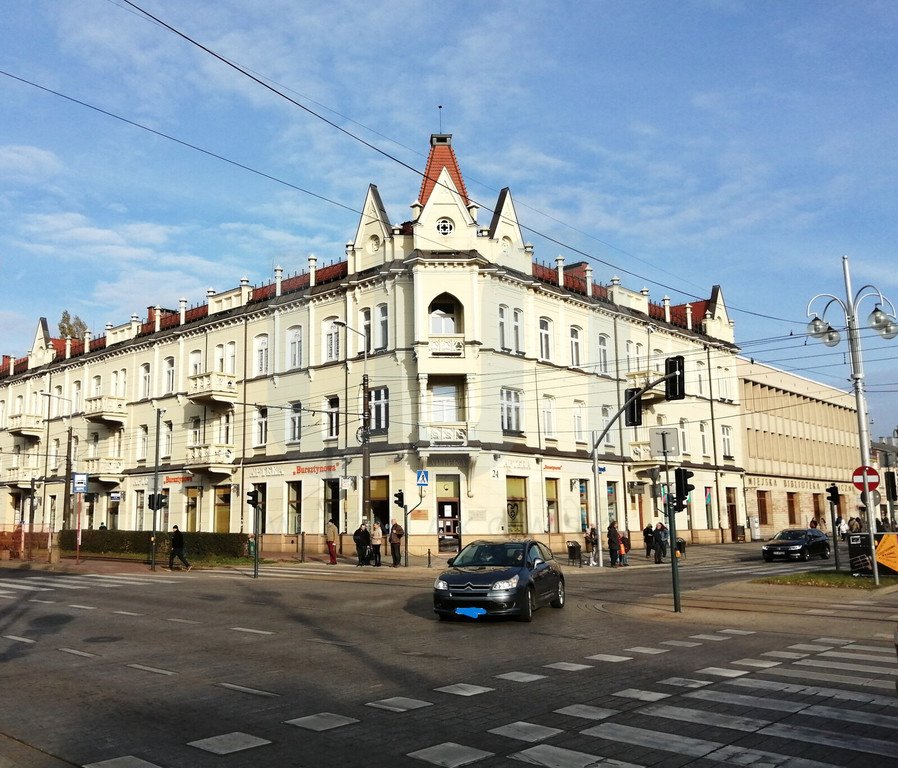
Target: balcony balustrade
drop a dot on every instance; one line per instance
(212, 387)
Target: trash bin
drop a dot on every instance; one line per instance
(573, 553)
(860, 559)
(681, 547)
(251, 547)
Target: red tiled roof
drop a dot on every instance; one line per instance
(441, 156)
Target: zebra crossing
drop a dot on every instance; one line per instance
(14, 586)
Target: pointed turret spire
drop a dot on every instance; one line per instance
(441, 156)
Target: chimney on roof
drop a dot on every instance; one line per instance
(559, 268)
(182, 310)
(68, 347)
(313, 266)
(12, 364)
(278, 278)
(588, 274)
(666, 302)
(158, 324)
(87, 337)
(689, 317)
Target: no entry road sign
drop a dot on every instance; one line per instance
(857, 477)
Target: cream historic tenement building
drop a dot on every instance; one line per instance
(800, 437)
(489, 370)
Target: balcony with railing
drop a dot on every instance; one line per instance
(642, 377)
(445, 433)
(211, 457)
(26, 424)
(21, 476)
(106, 408)
(104, 469)
(446, 345)
(212, 387)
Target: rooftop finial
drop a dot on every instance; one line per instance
(440, 108)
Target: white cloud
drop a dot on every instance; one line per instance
(20, 164)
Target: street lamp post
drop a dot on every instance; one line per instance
(885, 325)
(67, 491)
(156, 494)
(366, 421)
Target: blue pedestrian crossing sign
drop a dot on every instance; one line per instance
(422, 478)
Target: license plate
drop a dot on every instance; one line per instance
(472, 612)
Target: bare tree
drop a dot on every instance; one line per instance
(71, 326)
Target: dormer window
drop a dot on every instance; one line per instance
(445, 226)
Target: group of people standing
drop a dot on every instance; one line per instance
(618, 546)
(656, 541)
(367, 543)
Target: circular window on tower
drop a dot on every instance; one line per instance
(445, 226)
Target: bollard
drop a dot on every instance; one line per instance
(428, 557)
(302, 547)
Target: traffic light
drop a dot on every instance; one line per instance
(157, 500)
(675, 386)
(891, 490)
(633, 404)
(252, 498)
(151, 501)
(399, 499)
(832, 493)
(684, 487)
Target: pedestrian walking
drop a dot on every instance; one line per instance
(362, 540)
(843, 529)
(613, 543)
(177, 549)
(648, 538)
(377, 539)
(592, 544)
(396, 534)
(330, 537)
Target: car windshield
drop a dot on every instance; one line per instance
(507, 555)
(790, 535)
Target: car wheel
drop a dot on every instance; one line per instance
(825, 555)
(805, 555)
(558, 602)
(526, 613)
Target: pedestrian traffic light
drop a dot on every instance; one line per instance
(675, 384)
(832, 493)
(252, 498)
(399, 499)
(632, 407)
(684, 487)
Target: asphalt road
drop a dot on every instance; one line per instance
(310, 665)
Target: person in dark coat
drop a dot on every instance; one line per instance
(659, 543)
(362, 540)
(648, 538)
(613, 543)
(177, 549)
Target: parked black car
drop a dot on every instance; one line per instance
(499, 578)
(798, 544)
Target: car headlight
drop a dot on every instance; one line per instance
(440, 584)
(506, 584)
(764, 548)
(795, 548)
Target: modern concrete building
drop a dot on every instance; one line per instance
(800, 437)
(489, 377)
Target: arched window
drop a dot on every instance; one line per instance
(545, 338)
(442, 317)
(76, 396)
(366, 330)
(684, 442)
(96, 386)
(575, 346)
(331, 344)
(503, 331)
(260, 355)
(145, 382)
(382, 328)
(603, 353)
(517, 322)
(169, 374)
(294, 348)
(196, 362)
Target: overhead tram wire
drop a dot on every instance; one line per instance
(403, 164)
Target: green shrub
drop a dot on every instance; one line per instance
(199, 545)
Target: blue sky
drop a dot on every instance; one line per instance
(680, 145)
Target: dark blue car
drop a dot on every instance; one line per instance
(499, 578)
